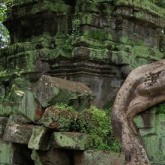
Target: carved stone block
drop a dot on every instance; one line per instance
(98, 158)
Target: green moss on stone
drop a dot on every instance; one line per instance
(97, 123)
(146, 5)
(97, 34)
(6, 153)
(159, 109)
(99, 54)
(135, 55)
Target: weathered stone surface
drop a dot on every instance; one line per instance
(16, 132)
(34, 10)
(155, 153)
(145, 120)
(58, 119)
(3, 122)
(6, 153)
(87, 41)
(53, 156)
(23, 102)
(71, 140)
(67, 41)
(19, 119)
(40, 138)
(103, 88)
(50, 90)
(98, 158)
(30, 107)
(14, 154)
(154, 134)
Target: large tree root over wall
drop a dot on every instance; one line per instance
(143, 88)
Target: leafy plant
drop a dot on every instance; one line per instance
(63, 106)
(97, 34)
(75, 32)
(76, 27)
(4, 34)
(67, 47)
(159, 109)
(97, 123)
(160, 3)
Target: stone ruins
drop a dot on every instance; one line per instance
(76, 53)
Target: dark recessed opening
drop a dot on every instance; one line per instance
(70, 2)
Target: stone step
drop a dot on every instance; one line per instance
(71, 140)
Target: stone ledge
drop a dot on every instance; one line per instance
(71, 140)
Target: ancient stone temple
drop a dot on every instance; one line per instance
(75, 52)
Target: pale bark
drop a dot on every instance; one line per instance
(143, 88)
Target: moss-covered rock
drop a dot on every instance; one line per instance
(59, 119)
(50, 91)
(16, 132)
(72, 140)
(40, 138)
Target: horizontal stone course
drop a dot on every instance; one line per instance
(147, 5)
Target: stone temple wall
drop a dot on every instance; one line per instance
(84, 41)
(95, 42)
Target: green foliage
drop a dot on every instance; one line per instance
(68, 47)
(101, 128)
(93, 121)
(97, 34)
(160, 3)
(65, 116)
(65, 107)
(65, 123)
(59, 117)
(76, 27)
(4, 34)
(75, 32)
(159, 109)
(97, 123)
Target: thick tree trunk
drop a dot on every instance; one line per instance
(144, 88)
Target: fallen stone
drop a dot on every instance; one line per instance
(40, 138)
(30, 107)
(18, 118)
(23, 102)
(16, 132)
(3, 122)
(58, 119)
(98, 158)
(71, 140)
(50, 91)
(53, 157)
